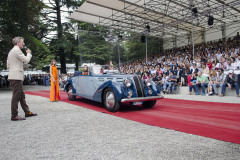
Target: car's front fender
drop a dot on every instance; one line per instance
(69, 82)
(116, 87)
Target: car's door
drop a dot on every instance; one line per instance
(86, 86)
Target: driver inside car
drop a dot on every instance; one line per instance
(85, 70)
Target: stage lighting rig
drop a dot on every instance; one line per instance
(210, 20)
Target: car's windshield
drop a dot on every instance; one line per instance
(104, 69)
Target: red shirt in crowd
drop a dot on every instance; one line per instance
(189, 80)
(209, 65)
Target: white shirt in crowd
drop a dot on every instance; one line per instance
(233, 66)
(218, 55)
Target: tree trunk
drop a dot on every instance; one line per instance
(76, 62)
(60, 31)
(62, 61)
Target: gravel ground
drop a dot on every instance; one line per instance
(65, 131)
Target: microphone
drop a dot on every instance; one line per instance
(25, 47)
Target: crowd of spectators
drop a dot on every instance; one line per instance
(36, 79)
(4, 81)
(44, 79)
(213, 65)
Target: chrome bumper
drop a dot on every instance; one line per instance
(141, 99)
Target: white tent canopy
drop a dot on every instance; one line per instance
(162, 18)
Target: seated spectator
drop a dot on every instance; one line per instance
(85, 70)
(221, 64)
(157, 80)
(192, 79)
(201, 81)
(178, 74)
(224, 63)
(219, 82)
(205, 70)
(145, 75)
(185, 72)
(138, 72)
(214, 67)
(231, 80)
(212, 81)
(209, 64)
(230, 65)
(237, 63)
(194, 69)
(152, 70)
(166, 71)
(158, 71)
(173, 69)
(165, 82)
(171, 81)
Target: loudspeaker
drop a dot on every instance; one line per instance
(194, 10)
(148, 28)
(210, 20)
(143, 39)
(120, 37)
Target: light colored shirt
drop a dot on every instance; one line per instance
(202, 78)
(221, 78)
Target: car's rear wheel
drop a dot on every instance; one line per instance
(70, 96)
(149, 104)
(110, 101)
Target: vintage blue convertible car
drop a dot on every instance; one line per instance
(111, 88)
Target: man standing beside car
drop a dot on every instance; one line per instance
(16, 74)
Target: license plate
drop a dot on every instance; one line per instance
(137, 103)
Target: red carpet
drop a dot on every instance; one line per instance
(210, 119)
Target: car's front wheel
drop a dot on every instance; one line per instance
(149, 104)
(110, 101)
(70, 96)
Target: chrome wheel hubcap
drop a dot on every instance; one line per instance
(110, 99)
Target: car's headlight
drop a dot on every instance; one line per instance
(129, 94)
(147, 82)
(150, 92)
(127, 82)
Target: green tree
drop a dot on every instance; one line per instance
(95, 48)
(60, 44)
(135, 49)
(121, 51)
(21, 19)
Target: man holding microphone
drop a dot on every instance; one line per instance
(16, 74)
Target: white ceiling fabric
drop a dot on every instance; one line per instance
(165, 17)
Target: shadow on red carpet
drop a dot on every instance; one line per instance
(210, 119)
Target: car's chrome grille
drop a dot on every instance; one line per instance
(119, 79)
(101, 79)
(108, 79)
(139, 86)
